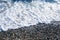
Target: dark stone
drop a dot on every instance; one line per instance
(40, 31)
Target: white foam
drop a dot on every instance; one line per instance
(29, 14)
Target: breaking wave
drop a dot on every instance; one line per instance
(25, 14)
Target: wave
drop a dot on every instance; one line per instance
(21, 14)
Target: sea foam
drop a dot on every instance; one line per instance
(23, 14)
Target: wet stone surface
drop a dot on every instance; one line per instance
(40, 31)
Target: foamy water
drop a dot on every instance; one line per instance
(23, 14)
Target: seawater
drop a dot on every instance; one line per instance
(22, 14)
